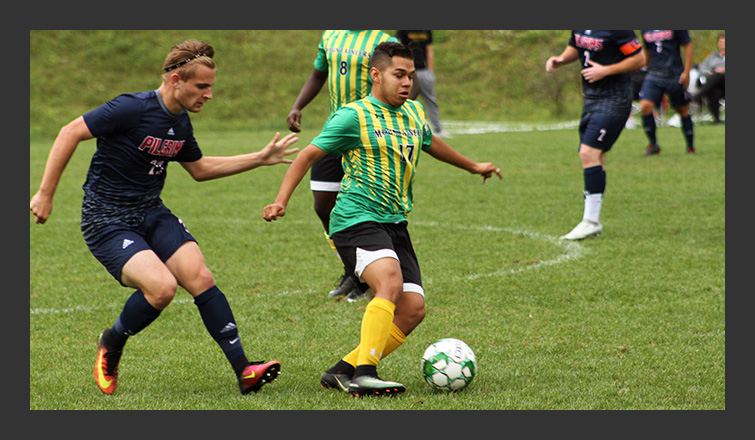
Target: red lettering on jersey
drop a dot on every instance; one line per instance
(589, 43)
(149, 142)
(176, 147)
(653, 36)
(161, 147)
(166, 147)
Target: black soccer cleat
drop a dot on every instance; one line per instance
(374, 386)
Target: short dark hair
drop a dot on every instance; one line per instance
(385, 51)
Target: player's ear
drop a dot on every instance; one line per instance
(375, 75)
(174, 79)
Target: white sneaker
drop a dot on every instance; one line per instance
(583, 230)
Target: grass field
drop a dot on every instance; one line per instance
(632, 320)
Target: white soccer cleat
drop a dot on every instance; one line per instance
(583, 230)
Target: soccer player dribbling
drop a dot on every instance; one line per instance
(125, 224)
(380, 138)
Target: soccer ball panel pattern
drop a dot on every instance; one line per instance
(449, 364)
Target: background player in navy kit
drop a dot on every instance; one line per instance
(667, 74)
(124, 222)
(607, 57)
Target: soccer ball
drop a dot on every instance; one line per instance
(449, 364)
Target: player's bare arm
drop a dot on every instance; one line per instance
(308, 92)
(295, 173)
(569, 55)
(596, 71)
(213, 167)
(443, 152)
(61, 152)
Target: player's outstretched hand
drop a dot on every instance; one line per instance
(487, 170)
(276, 151)
(273, 211)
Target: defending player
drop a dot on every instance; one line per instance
(343, 58)
(606, 58)
(124, 222)
(380, 139)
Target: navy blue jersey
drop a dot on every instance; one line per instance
(136, 138)
(664, 50)
(605, 48)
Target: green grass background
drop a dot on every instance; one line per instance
(632, 320)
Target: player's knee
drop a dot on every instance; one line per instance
(646, 107)
(200, 281)
(161, 293)
(390, 289)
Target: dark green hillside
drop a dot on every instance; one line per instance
(491, 75)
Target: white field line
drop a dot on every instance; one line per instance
(570, 250)
(481, 127)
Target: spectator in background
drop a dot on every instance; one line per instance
(420, 42)
(713, 79)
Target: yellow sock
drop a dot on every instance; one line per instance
(376, 328)
(395, 339)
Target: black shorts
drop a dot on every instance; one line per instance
(161, 231)
(603, 119)
(601, 130)
(654, 87)
(363, 243)
(326, 174)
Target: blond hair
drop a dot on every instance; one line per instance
(185, 57)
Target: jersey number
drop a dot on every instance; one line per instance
(344, 68)
(407, 152)
(158, 167)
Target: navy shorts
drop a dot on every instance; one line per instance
(601, 130)
(654, 87)
(363, 243)
(161, 231)
(326, 174)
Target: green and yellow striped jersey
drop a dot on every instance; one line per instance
(345, 55)
(380, 146)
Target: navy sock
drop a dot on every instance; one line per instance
(137, 314)
(218, 319)
(689, 131)
(595, 179)
(648, 124)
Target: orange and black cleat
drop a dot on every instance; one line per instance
(106, 368)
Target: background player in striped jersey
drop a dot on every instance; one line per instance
(343, 58)
(667, 74)
(380, 138)
(607, 57)
(125, 223)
